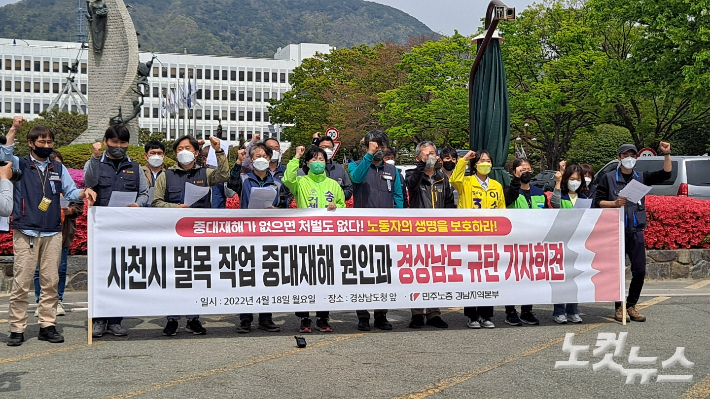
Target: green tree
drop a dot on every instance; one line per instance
(67, 126)
(432, 104)
(596, 146)
(548, 53)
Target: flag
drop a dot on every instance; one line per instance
(189, 95)
(194, 90)
(163, 108)
(182, 97)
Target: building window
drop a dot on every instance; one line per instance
(83, 68)
(45, 87)
(28, 65)
(250, 76)
(36, 87)
(191, 73)
(232, 116)
(65, 67)
(266, 96)
(241, 116)
(257, 116)
(266, 77)
(208, 74)
(241, 95)
(155, 113)
(199, 73)
(215, 75)
(38, 66)
(207, 115)
(273, 77)
(224, 74)
(55, 67)
(181, 73)
(199, 93)
(165, 72)
(241, 76)
(146, 112)
(224, 114)
(8, 107)
(173, 73)
(257, 96)
(156, 72)
(266, 116)
(258, 77)
(8, 65)
(18, 108)
(233, 96)
(45, 66)
(18, 65)
(233, 75)
(8, 86)
(155, 92)
(249, 116)
(35, 107)
(224, 95)
(27, 108)
(83, 88)
(208, 94)
(275, 95)
(250, 96)
(55, 87)
(232, 136)
(283, 77)
(198, 113)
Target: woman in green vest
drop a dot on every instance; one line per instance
(570, 186)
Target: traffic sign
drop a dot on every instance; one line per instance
(646, 152)
(336, 146)
(333, 133)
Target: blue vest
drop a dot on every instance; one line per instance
(634, 214)
(374, 192)
(28, 194)
(175, 180)
(124, 178)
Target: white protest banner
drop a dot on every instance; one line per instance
(151, 262)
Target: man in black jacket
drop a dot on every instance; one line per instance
(428, 188)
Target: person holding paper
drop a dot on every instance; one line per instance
(569, 187)
(70, 211)
(314, 190)
(37, 234)
(607, 196)
(112, 172)
(170, 192)
(521, 195)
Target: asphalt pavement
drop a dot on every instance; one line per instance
(457, 362)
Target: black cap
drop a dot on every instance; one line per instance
(626, 147)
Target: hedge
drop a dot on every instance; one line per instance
(76, 155)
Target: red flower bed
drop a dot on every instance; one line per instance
(677, 222)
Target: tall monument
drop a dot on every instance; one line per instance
(113, 70)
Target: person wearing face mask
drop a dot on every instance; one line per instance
(170, 192)
(37, 233)
(106, 172)
(449, 156)
(521, 195)
(634, 215)
(333, 170)
(155, 155)
(569, 187)
(588, 179)
(428, 188)
(477, 191)
(245, 165)
(376, 184)
(314, 190)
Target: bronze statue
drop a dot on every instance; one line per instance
(142, 87)
(97, 12)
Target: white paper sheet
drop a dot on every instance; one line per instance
(122, 198)
(194, 193)
(151, 190)
(63, 203)
(212, 157)
(262, 197)
(583, 203)
(634, 191)
(5, 223)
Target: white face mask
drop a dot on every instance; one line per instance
(185, 157)
(628, 162)
(155, 161)
(329, 153)
(573, 185)
(261, 164)
(588, 180)
(390, 162)
(276, 156)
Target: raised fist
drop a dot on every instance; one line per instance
(241, 154)
(216, 144)
(469, 155)
(558, 177)
(96, 149)
(17, 122)
(373, 147)
(665, 147)
(300, 150)
(563, 166)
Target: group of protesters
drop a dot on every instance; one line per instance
(44, 225)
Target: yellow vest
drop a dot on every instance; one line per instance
(471, 194)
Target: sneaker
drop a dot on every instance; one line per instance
(305, 325)
(37, 311)
(561, 319)
(117, 330)
(473, 323)
(268, 325)
(513, 319)
(634, 315)
(529, 318)
(437, 322)
(60, 309)
(98, 328)
(486, 322)
(574, 318)
(195, 326)
(363, 324)
(50, 334)
(244, 327)
(382, 323)
(417, 321)
(323, 325)
(16, 339)
(619, 314)
(171, 328)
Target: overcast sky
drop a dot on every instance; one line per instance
(444, 16)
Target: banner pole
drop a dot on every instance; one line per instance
(90, 332)
(623, 313)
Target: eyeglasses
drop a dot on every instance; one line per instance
(44, 143)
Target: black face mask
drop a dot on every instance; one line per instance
(116, 152)
(449, 165)
(526, 177)
(43, 152)
(379, 155)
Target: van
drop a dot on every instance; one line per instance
(690, 176)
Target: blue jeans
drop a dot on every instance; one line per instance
(561, 309)
(62, 276)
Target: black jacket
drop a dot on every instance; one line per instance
(425, 192)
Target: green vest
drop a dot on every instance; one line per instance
(538, 202)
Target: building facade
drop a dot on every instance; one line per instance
(230, 91)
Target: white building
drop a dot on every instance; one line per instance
(231, 89)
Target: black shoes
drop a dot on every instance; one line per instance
(195, 326)
(171, 328)
(16, 339)
(363, 324)
(50, 334)
(437, 322)
(417, 321)
(381, 322)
